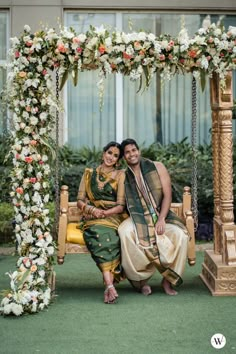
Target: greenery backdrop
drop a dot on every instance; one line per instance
(178, 158)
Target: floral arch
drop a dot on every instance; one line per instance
(31, 99)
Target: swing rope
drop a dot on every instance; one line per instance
(194, 154)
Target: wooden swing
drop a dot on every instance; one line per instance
(70, 238)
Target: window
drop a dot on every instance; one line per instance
(160, 114)
(4, 36)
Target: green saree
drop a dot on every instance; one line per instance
(100, 235)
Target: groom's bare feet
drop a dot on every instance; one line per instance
(141, 287)
(168, 288)
(145, 288)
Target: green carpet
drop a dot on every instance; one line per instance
(78, 321)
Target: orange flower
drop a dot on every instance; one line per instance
(142, 52)
(33, 268)
(126, 56)
(192, 53)
(102, 49)
(22, 74)
(19, 190)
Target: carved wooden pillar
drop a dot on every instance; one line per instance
(219, 266)
(215, 158)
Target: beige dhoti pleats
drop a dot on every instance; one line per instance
(140, 264)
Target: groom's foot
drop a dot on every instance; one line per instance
(168, 288)
(141, 287)
(146, 290)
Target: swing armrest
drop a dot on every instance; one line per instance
(63, 221)
(189, 222)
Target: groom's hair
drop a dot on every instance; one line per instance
(128, 142)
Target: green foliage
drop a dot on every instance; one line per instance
(178, 159)
(6, 222)
(5, 169)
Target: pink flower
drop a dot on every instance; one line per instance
(76, 40)
(29, 43)
(17, 54)
(28, 159)
(33, 179)
(44, 72)
(33, 142)
(162, 57)
(41, 162)
(19, 190)
(28, 108)
(61, 48)
(79, 50)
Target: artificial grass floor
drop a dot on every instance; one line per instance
(78, 321)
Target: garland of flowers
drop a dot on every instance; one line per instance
(31, 100)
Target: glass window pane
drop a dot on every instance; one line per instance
(3, 35)
(161, 113)
(87, 124)
(3, 113)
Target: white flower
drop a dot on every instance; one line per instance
(100, 31)
(27, 28)
(82, 37)
(7, 309)
(141, 36)
(50, 250)
(37, 186)
(14, 41)
(232, 30)
(17, 309)
(108, 42)
(217, 32)
(204, 62)
(151, 37)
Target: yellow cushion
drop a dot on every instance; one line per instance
(74, 235)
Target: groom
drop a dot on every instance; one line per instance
(151, 224)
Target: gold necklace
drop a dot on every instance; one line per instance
(103, 177)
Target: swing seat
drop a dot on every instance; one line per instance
(70, 237)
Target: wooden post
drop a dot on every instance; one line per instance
(219, 266)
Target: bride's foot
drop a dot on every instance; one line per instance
(110, 295)
(168, 288)
(106, 296)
